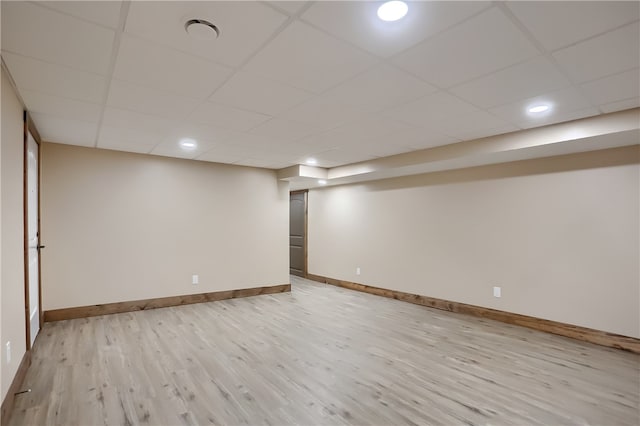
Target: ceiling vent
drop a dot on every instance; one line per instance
(200, 28)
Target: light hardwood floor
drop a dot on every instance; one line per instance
(320, 355)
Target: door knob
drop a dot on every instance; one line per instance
(40, 247)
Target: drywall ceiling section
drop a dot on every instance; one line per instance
(286, 81)
(602, 132)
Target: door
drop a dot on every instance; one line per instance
(32, 234)
(298, 233)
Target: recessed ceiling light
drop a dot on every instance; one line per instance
(392, 10)
(200, 28)
(311, 161)
(188, 143)
(322, 181)
(536, 109)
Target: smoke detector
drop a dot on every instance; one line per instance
(200, 28)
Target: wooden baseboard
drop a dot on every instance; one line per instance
(576, 332)
(162, 302)
(18, 379)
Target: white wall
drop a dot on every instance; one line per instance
(121, 226)
(559, 235)
(13, 327)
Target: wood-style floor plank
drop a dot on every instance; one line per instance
(319, 355)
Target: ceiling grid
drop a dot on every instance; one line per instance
(289, 80)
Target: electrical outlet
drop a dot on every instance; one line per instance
(358, 271)
(8, 352)
(195, 279)
(497, 292)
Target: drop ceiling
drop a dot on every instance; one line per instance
(286, 81)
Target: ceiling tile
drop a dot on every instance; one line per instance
(254, 162)
(250, 140)
(611, 53)
(57, 106)
(202, 133)
(483, 44)
(284, 130)
(230, 149)
(414, 137)
(621, 105)
(233, 153)
(557, 24)
(562, 102)
(293, 58)
(34, 31)
(474, 125)
(118, 145)
(297, 152)
(614, 88)
(322, 112)
(127, 119)
(172, 148)
(374, 129)
(319, 142)
(218, 156)
(358, 23)
(386, 150)
(342, 156)
(431, 109)
(63, 130)
(429, 138)
(379, 88)
(290, 7)
(243, 26)
(31, 74)
(148, 64)
(105, 13)
(381, 136)
(277, 165)
(254, 93)
(358, 132)
(561, 117)
(514, 83)
(226, 117)
(124, 139)
(149, 101)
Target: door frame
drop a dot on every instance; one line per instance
(29, 127)
(305, 273)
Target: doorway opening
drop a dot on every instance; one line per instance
(298, 233)
(32, 246)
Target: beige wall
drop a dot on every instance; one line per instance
(559, 235)
(121, 226)
(3, 85)
(12, 254)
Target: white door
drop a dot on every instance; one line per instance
(33, 237)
